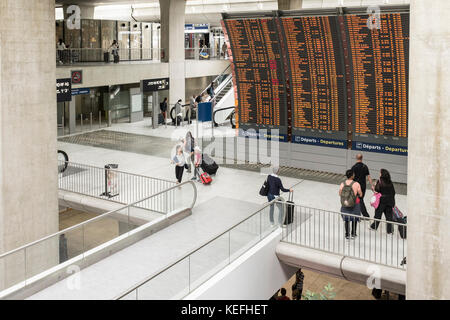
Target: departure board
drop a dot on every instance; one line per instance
(258, 73)
(316, 72)
(379, 81)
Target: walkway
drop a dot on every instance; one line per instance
(114, 275)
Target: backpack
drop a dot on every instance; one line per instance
(348, 197)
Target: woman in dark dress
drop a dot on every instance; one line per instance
(387, 200)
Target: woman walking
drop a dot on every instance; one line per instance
(180, 163)
(350, 193)
(387, 200)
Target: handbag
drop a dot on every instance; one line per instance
(375, 200)
(264, 191)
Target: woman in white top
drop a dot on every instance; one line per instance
(180, 163)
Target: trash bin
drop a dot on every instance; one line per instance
(111, 187)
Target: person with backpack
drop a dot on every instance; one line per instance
(210, 90)
(189, 145)
(386, 188)
(178, 113)
(361, 175)
(274, 186)
(350, 193)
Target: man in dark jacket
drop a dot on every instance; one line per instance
(361, 174)
(275, 185)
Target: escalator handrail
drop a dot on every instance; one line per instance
(215, 79)
(221, 109)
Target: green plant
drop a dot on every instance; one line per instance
(326, 294)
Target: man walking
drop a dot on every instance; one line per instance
(361, 174)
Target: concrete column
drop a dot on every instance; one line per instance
(172, 41)
(28, 159)
(72, 116)
(428, 259)
(289, 4)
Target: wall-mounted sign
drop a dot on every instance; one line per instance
(77, 77)
(196, 28)
(155, 85)
(63, 90)
(78, 91)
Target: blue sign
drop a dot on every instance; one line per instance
(380, 148)
(205, 111)
(322, 142)
(263, 134)
(78, 91)
(190, 26)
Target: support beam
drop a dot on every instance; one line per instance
(172, 41)
(290, 4)
(28, 165)
(429, 152)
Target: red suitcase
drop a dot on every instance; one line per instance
(205, 178)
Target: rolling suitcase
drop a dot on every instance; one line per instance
(106, 57)
(289, 210)
(402, 229)
(160, 119)
(208, 164)
(205, 178)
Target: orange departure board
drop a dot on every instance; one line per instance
(316, 71)
(258, 72)
(379, 68)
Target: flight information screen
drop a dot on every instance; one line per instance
(316, 68)
(258, 74)
(379, 68)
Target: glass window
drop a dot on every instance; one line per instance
(123, 28)
(90, 41)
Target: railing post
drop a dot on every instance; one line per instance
(91, 120)
(99, 119)
(81, 115)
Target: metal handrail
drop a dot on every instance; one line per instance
(221, 109)
(215, 79)
(373, 246)
(346, 214)
(118, 171)
(193, 251)
(101, 216)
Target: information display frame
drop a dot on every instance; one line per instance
(259, 78)
(367, 122)
(347, 135)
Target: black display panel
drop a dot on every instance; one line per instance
(258, 74)
(379, 81)
(316, 69)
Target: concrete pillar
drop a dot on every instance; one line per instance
(172, 41)
(289, 4)
(428, 260)
(28, 159)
